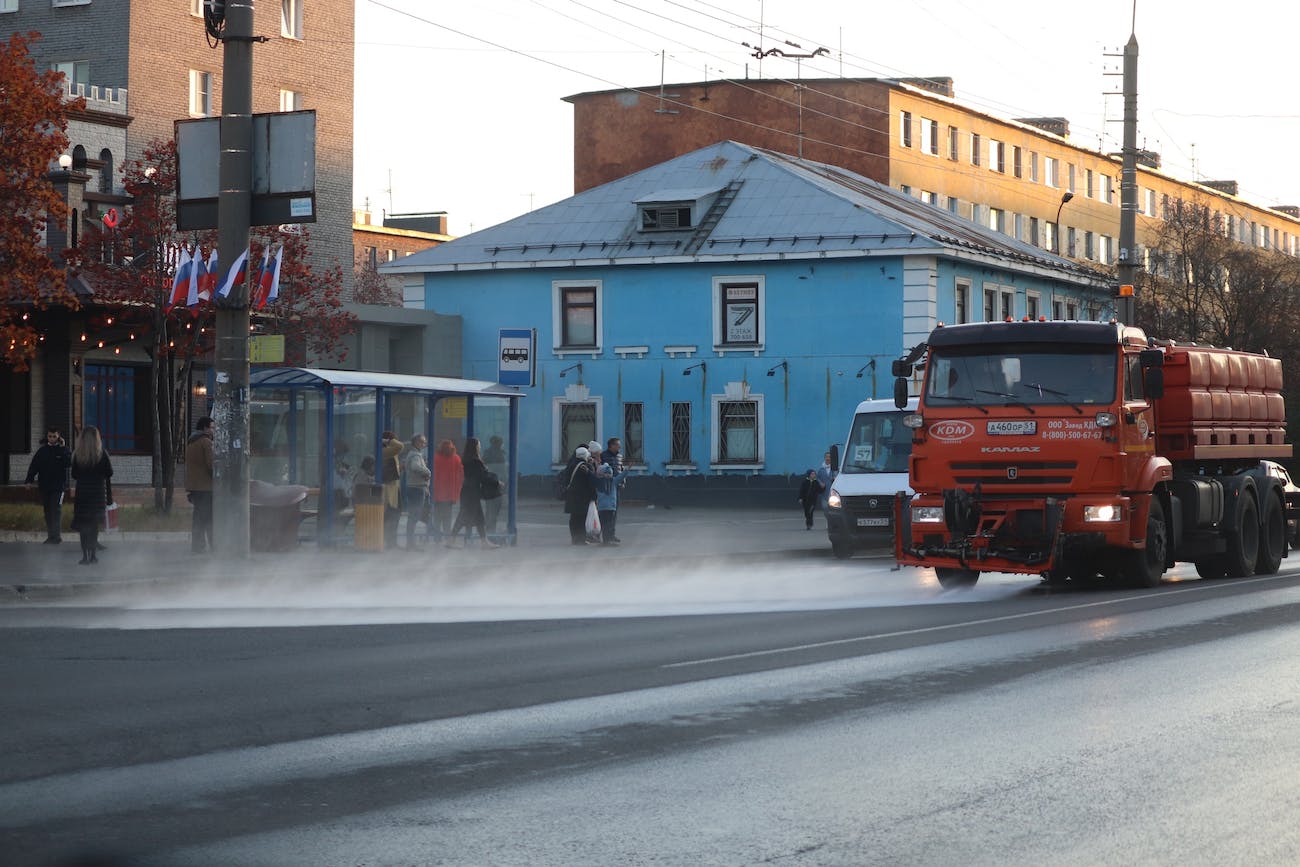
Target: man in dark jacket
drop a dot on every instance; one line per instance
(49, 471)
(198, 482)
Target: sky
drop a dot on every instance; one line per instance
(459, 105)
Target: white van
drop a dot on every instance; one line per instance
(873, 468)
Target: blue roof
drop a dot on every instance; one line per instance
(756, 204)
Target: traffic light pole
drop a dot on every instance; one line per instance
(234, 214)
(1128, 192)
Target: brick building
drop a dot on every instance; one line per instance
(1014, 176)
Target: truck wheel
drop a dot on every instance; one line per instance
(1145, 566)
(841, 550)
(1243, 541)
(1272, 542)
(955, 579)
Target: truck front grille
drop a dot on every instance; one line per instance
(1015, 474)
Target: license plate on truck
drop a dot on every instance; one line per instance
(873, 522)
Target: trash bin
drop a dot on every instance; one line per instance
(368, 511)
(274, 514)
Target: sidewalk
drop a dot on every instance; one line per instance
(30, 569)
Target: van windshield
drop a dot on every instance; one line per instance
(1021, 374)
(878, 443)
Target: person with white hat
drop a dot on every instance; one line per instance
(579, 493)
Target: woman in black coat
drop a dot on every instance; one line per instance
(470, 515)
(92, 470)
(579, 494)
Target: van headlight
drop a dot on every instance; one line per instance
(927, 514)
(833, 499)
(1106, 513)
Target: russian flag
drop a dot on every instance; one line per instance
(274, 292)
(235, 275)
(209, 282)
(181, 281)
(255, 279)
(268, 285)
(197, 272)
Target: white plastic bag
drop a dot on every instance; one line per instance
(593, 522)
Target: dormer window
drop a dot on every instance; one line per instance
(665, 218)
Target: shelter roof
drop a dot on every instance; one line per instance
(309, 377)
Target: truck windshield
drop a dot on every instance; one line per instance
(1026, 374)
(878, 443)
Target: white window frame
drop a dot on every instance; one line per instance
(954, 148)
(976, 144)
(198, 78)
(1006, 304)
(8, 5)
(196, 7)
(290, 100)
(1033, 304)
(1052, 172)
(929, 136)
(961, 290)
(57, 3)
(564, 400)
(905, 128)
(720, 285)
(557, 317)
(1033, 167)
(715, 431)
(291, 19)
(997, 156)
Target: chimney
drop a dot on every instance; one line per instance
(1055, 125)
(1289, 210)
(1228, 187)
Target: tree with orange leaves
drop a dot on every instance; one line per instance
(33, 132)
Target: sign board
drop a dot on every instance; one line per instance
(454, 407)
(266, 349)
(284, 170)
(517, 356)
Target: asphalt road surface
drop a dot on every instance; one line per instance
(791, 713)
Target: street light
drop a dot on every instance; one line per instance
(65, 162)
(784, 366)
(704, 368)
(577, 367)
(1056, 233)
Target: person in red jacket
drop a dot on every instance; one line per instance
(448, 476)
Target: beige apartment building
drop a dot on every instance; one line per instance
(1012, 175)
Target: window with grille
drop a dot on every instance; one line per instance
(738, 432)
(633, 433)
(679, 448)
(577, 427)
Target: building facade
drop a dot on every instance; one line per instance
(1012, 175)
(723, 312)
(142, 65)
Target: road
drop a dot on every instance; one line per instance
(805, 713)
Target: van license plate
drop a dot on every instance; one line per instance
(873, 522)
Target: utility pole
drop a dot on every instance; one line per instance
(234, 214)
(1128, 191)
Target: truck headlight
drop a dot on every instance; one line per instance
(1108, 512)
(833, 499)
(927, 514)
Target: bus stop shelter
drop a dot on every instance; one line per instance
(315, 427)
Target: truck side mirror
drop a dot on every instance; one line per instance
(1153, 381)
(1151, 358)
(835, 457)
(900, 392)
(899, 367)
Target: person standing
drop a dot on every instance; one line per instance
(198, 483)
(825, 475)
(417, 489)
(448, 477)
(92, 470)
(495, 458)
(470, 515)
(579, 494)
(391, 476)
(613, 456)
(609, 477)
(810, 492)
(49, 472)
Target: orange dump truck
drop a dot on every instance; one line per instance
(1073, 450)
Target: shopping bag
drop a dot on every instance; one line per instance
(593, 521)
(110, 518)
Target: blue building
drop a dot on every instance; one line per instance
(725, 311)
